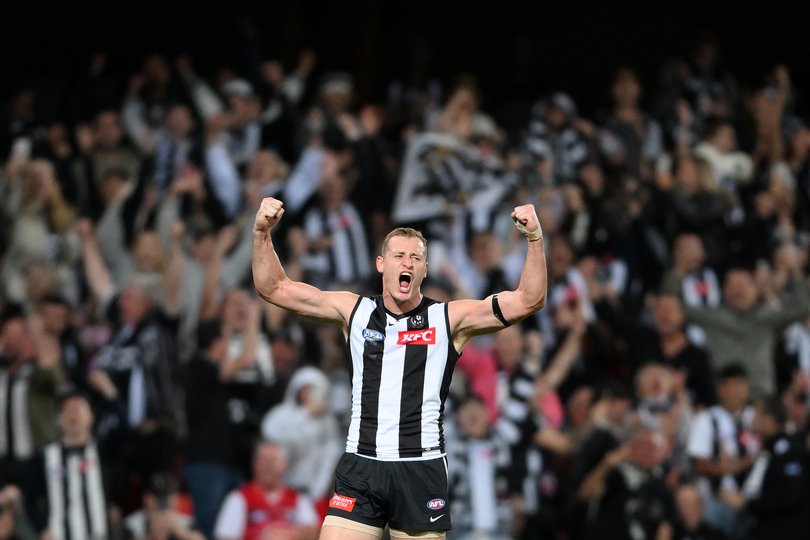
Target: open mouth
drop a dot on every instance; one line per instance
(405, 280)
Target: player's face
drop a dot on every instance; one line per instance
(403, 268)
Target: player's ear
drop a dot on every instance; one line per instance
(379, 264)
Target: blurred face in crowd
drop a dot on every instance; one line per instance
(654, 382)
(690, 506)
(463, 100)
(733, 392)
(108, 133)
(800, 143)
(269, 465)
(148, 252)
(687, 175)
(55, 317)
(39, 280)
(333, 192)
(179, 121)
(689, 253)
(509, 347)
(626, 88)
(15, 339)
(39, 179)
(556, 117)
(133, 305)
(76, 418)
(578, 405)
(647, 449)
(235, 310)
(561, 257)
(472, 419)
(739, 290)
(724, 138)
(156, 69)
(264, 167)
(203, 248)
(485, 251)
(668, 315)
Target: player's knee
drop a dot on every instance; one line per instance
(338, 528)
(421, 535)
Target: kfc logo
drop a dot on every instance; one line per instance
(417, 337)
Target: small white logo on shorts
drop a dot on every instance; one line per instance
(434, 519)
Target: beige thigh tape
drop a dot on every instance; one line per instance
(343, 523)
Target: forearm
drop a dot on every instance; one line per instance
(174, 278)
(562, 361)
(533, 284)
(268, 274)
(95, 271)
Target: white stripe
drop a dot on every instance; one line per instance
(76, 520)
(390, 400)
(356, 346)
(23, 441)
(523, 388)
(515, 410)
(507, 430)
(3, 413)
(95, 493)
(56, 495)
(434, 374)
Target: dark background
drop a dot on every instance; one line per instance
(517, 50)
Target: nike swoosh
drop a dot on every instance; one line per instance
(436, 518)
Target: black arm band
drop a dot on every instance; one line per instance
(496, 310)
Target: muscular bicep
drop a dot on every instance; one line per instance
(308, 301)
(469, 318)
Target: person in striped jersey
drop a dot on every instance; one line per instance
(403, 348)
(66, 488)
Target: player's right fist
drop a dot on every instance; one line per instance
(270, 212)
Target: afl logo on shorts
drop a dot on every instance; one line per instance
(435, 504)
(373, 335)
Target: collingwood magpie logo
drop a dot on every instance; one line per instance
(417, 321)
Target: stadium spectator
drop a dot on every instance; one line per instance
(265, 505)
(67, 485)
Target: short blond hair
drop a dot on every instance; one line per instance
(407, 232)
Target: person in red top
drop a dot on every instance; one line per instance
(264, 508)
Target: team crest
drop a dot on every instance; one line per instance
(417, 321)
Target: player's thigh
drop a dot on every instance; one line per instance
(338, 528)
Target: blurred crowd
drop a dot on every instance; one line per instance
(662, 393)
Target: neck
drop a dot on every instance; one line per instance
(75, 439)
(672, 343)
(394, 306)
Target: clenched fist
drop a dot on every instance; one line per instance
(270, 212)
(527, 222)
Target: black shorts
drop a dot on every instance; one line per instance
(406, 495)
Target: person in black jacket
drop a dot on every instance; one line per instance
(773, 495)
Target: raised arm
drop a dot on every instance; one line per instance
(469, 318)
(272, 282)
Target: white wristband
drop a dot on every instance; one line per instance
(530, 236)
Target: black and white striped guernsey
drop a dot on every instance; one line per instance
(401, 369)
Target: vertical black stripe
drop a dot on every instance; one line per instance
(372, 375)
(63, 457)
(413, 386)
(84, 478)
(449, 367)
